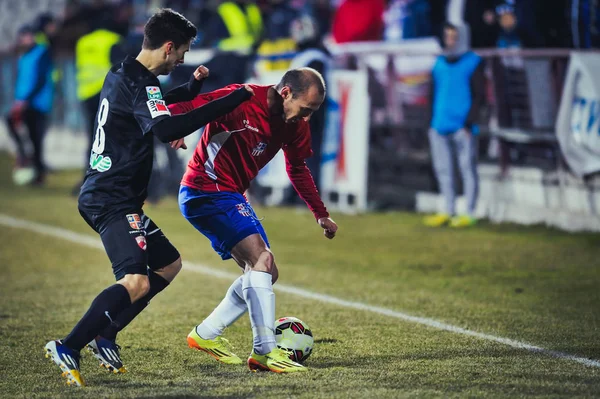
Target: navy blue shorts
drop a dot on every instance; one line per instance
(225, 218)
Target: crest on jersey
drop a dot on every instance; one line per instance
(158, 108)
(134, 221)
(259, 149)
(141, 242)
(153, 93)
(243, 210)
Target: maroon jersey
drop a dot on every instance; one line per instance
(235, 147)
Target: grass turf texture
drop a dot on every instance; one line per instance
(535, 285)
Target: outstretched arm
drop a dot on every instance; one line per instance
(179, 126)
(304, 185)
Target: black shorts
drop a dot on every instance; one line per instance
(133, 242)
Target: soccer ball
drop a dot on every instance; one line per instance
(294, 335)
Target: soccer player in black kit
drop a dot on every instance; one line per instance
(132, 110)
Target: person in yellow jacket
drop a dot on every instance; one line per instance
(95, 53)
(237, 26)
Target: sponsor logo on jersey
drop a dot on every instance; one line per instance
(141, 242)
(247, 126)
(101, 163)
(157, 108)
(153, 93)
(259, 149)
(135, 222)
(243, 210)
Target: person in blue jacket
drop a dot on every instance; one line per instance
(457, 92)
(33, 100)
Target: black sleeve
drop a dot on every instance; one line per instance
(42, 74)
(148, 107)
(477, 94)
(179, 126)
(185, 92)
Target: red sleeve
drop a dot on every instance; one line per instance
(201, 99)
(299, 148)
(295, 154)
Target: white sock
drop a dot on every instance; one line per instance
(258, 293)
(231, 308)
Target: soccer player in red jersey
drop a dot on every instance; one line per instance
(232, 150)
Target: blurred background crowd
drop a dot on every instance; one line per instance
(532, 23)
(55, 54)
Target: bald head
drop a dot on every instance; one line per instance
(301, 81)
(302, 91)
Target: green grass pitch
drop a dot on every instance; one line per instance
(529, 284)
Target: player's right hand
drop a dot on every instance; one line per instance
(329, 227)
(201, 72)
(247, 87)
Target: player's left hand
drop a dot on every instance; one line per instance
(201, 72)
(329, 227)
(177, 144)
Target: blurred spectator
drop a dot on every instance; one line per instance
(46, 28)
(33, 100)
(311, 54)
(456, 95)
(510, 77)
(527, 14)
(407, 19)
(321, 11)
(95, 53)
(508, 36)
(235, 26)
(358, 20)
(280, 15)
(79, 20)
(276, 51)
(480, 15)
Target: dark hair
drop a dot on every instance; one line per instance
(448, 25)
(301, 79)
(43, 20)
(167, 26)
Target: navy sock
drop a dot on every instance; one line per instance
(104, 308)
(157, 284)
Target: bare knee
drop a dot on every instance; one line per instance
(264, 262)
(274, 273)
(137, 285)
(169, 272)
(252, 253)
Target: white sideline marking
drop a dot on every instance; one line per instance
(95, 242)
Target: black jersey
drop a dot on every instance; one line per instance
(131, 103)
